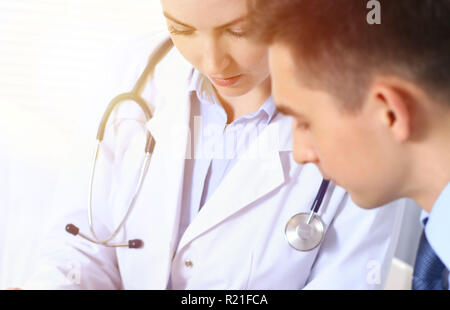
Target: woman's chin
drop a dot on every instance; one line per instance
(235, 91)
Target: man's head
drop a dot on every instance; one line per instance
(362, 96)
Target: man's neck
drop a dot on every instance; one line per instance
(433, 166)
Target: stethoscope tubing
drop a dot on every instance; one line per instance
(136, 97)
(318, 200)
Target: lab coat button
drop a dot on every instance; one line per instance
(188, 263)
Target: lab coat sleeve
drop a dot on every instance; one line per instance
(70, 262)
(358, 248)
(67, 261)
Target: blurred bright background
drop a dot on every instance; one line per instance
(53, 56)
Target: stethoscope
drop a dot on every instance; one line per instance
(304, 231)
(135, 96)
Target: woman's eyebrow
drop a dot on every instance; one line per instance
(176, 21)
(237, 20)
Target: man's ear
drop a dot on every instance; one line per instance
(394, 107)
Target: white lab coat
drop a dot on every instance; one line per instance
(237, 240)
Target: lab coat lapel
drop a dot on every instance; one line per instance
(162, 188)
(170, 129)
(262, 171)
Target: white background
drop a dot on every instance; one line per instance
(50, 55)
(51, 52)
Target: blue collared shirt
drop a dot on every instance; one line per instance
(437, 229)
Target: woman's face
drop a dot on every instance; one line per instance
(213, 36)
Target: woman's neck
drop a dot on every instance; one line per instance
(235, 107)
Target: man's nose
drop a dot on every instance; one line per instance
(305, 156)
(304, 151)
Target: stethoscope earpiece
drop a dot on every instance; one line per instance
(72, 229)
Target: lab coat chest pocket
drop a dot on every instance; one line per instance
(222, 266)
(275, 264)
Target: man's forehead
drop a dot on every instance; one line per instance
(280, 54)
(282, 70)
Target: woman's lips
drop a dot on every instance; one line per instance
(226, 82)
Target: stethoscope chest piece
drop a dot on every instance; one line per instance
(304, 236)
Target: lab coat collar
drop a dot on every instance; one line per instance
(171, 100)
(263, 172)
(170, 129)
(260, 165)
(202, 87)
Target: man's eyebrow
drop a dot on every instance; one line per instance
(237, 20)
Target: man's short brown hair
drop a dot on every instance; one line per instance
(343, 51)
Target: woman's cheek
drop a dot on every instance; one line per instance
(186, 47)
(252, 57)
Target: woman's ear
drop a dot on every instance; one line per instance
(394, 107)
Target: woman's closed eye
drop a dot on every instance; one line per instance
(176, 31)
(234, 33)
(237, 33)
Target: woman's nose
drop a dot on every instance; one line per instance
(215, 58)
